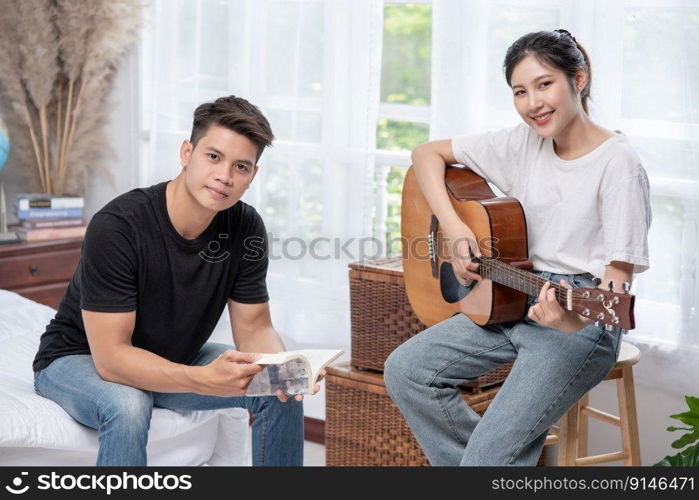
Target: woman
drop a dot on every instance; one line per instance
(586, 200)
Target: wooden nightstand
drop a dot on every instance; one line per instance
(39, 270)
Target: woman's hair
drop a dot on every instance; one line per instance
(557, 49)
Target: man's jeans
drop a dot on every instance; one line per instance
(121, 413)
(552, 371)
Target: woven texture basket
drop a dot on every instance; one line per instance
(364, 428)
(382, 318)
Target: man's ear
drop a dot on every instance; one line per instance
(254, 173)
(185, 152)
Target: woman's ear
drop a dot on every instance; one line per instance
(580, 79)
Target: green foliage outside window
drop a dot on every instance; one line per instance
(407, 54)
(405, 79)
(400, 136)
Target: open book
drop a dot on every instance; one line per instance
(294, 372)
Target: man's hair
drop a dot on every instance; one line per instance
(236, 114)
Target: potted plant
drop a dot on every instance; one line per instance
(57, 66)
(689, 457)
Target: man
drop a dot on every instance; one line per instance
(158, 266)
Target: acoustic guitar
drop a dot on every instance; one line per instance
(436, 293)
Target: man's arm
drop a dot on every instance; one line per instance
(117, 360)
(253, 332)
(252, 328)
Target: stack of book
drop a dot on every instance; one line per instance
(46, 217)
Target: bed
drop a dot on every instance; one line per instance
(36, 431)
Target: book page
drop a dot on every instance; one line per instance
(292, 377)
(289, 371)
(320, 357)
(316, 357)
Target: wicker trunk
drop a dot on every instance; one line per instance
(364, 428)
(382, 318)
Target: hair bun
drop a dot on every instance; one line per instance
(566, 32)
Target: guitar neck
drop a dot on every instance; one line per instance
(519, 279)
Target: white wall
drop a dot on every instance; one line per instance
(124, 129)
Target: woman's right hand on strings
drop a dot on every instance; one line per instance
(462, 244)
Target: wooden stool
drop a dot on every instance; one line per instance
(571, 432)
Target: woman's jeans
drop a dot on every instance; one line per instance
(121, 414)
(552, 370)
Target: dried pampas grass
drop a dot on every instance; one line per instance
(53, 88)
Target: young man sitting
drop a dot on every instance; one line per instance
(157, 268)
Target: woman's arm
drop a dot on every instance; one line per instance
(618, 272)
(429, 161)
(549, 313)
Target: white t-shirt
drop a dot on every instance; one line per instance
(581, 214)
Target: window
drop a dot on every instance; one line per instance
(404, 110)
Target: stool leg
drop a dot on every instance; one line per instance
(567, 440)
(583, 423)
(628, 417)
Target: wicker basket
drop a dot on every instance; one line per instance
(364, 428)
(382, 318)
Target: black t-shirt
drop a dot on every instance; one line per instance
(134, 259)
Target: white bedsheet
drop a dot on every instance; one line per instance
(36, 431)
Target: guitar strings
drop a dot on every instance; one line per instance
(534, 286)
(521, 277)
(518, 276)
(524, 278)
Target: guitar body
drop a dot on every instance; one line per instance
(500, 228)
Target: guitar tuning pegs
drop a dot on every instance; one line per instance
(610, 285)
(596, 281)
(626, 286)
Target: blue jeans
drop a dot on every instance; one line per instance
(552, 370)
(121, 414)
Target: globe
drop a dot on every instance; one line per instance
(4, 144)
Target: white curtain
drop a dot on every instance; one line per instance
(314, 68)
(311, 67)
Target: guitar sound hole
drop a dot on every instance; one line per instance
(452, 290)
